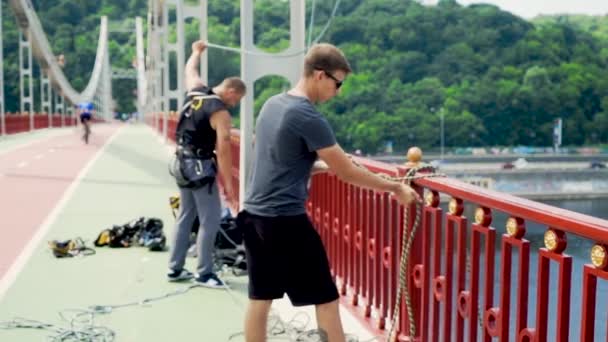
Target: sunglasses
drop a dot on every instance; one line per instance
(337, 81)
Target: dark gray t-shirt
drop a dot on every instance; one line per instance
(289, 131)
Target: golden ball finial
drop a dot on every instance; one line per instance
(414, 156)
(599, 256)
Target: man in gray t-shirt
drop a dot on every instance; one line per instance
(285, 254)
(289, 132)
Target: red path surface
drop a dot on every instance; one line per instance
(33, 179)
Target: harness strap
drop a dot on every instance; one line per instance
(196, 96)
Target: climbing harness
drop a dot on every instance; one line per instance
(70, 248)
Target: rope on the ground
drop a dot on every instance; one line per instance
(293, 330)
(81, 325)
(81, 322)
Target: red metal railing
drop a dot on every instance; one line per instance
(362, 233)
(16, 123)
(455, 290)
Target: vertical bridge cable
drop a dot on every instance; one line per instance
(316, 40)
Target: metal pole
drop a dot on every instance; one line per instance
(23, 73)
(442, 131)
(204, 35)
(163, 41)
(45, 97)
(141, 67)
(254, 67)
(247, 102)
(2, 118)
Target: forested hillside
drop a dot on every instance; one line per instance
(497, 79)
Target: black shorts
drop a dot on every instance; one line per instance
(285, 254)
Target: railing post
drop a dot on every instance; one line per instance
(3, 129)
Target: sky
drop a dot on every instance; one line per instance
(532, 8)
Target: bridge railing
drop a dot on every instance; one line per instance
(16, 123)
(464, 283)
(463, 280)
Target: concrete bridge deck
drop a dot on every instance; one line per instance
(55, 187)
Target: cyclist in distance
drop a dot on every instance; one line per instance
(86, 114)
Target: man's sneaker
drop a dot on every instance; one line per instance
(210, 280)
(181, 275)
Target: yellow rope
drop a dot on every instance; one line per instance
(406, 246)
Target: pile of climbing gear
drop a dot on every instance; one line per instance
(70, 248)
(146, 232)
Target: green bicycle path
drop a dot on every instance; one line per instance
(128, 180)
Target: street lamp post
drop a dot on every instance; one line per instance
(442, 131)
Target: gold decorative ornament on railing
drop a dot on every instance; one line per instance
(599, 256)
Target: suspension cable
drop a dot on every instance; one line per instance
(311, 23)
(284, 55)
(333, 14)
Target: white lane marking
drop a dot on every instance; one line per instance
(8, 150)
(22, 164)
(11, 275)
(51, 150)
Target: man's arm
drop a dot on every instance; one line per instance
(192, 76)
(222, 123)
(346, 170)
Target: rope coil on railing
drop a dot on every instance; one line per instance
(406, 245)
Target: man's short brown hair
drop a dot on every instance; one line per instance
(325, 57)
(235, 83)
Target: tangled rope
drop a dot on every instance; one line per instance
(406, 246)
(82, 328)
(293, 330)
(81, 322)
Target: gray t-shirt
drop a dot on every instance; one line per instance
(289, 131)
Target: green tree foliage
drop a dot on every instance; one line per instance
(496, 78)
